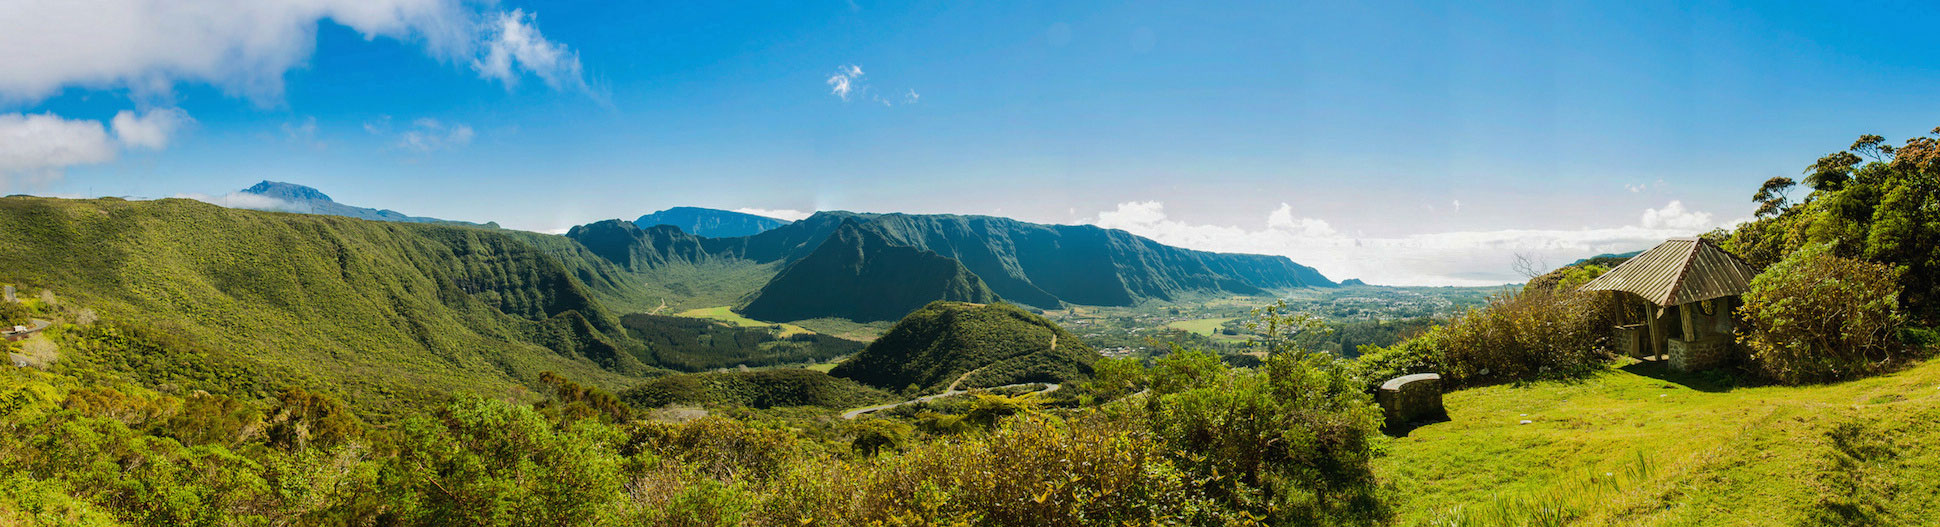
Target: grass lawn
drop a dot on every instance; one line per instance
(724, 314)
(1203, 326)
(1638, 446)
(1208, 327)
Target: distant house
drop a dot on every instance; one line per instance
(1687, 288)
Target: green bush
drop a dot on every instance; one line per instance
(1533, 334)
(1817, 317)
(1293, 441)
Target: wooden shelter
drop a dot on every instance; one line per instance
(1689, 287)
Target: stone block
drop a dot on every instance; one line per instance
(1411, 399)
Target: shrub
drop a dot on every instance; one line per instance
(1529, 335)
(1291, 443)
(487, 462)
(1817, 317)
(1421, 354)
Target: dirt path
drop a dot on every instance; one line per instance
(852, 414)
(953, 390)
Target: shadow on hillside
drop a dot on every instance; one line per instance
(1404, 430)
(1712, 381)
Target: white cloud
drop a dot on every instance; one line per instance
(38, 148)
(844, 81)
(150, 130)
(35, 148)
(513, 44)
(1445, 258)
(424, 135)
(1674, 217)
(246, 46)
(779, 214)
(847, 84)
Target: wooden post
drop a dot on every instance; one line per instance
(1690, 326)
(1656, 334)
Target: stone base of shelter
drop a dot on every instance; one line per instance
(1707, 353)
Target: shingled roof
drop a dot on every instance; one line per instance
(1678, 271)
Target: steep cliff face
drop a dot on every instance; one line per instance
(710, 223)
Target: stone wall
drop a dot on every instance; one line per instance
(1706, 353)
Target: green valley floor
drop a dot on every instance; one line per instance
(1638, 446)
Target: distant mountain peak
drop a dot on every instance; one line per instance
(314, 201)
(287, 191)
(711, 223)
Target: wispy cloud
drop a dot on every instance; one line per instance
(845, 80)
(425, 134)
(513, 44)
(847, 83)
(303, 133)
(1445, 258)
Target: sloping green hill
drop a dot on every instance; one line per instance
(381, 312)
(1638, 446)
(981, 345)
(858, 275)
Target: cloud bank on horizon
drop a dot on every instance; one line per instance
(1461, 258)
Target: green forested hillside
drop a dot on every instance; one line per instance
(379, 312)
(983, 345)
(858, 275)
(1034, 264)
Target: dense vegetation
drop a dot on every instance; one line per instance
(858, 275)
(693, 344)
(1188, 441)
(984, 345)
(382, 313)
(754, 389)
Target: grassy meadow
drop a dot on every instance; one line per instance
(1637, 446)
(727, 314)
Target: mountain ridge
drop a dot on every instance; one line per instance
(860, 275)
(710, 223)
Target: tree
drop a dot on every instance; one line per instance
(1771, 196)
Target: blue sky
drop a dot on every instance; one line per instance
(1415, 143)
